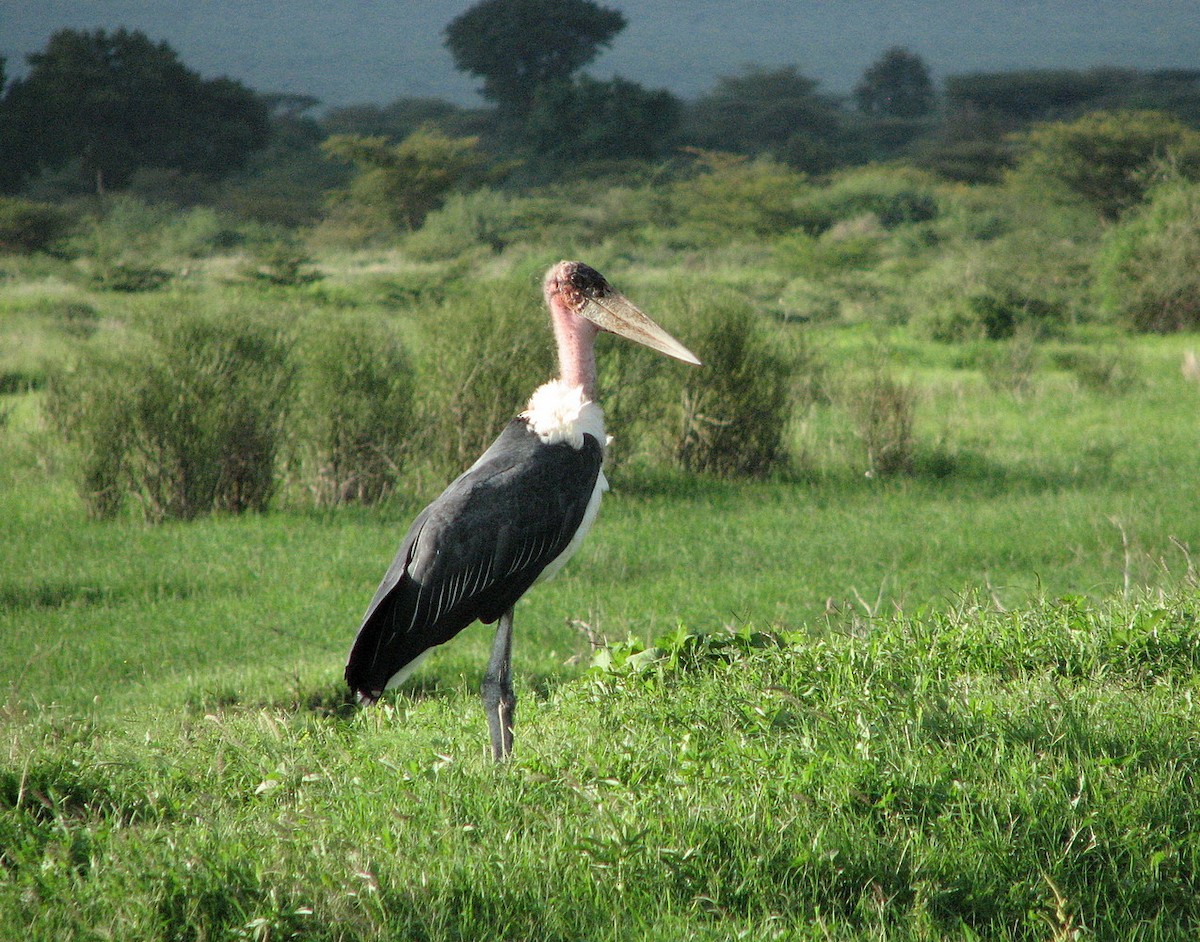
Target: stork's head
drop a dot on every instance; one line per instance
(576, 289)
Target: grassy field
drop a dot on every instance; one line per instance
(952, 703)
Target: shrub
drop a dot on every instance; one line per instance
(186, 419)
(1002, 312)
(129, 277)
(467, 221)
(353, 412)
(27, 226)
(895, 198)
(484, 350)
(737, 407)
(1010, 367)
(281, 263)
(1146, 274)
(736, 195)
(882, 410)
(1107, 158)
(1113, 370)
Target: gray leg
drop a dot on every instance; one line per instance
(499, 701)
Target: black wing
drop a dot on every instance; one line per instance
(475, 550)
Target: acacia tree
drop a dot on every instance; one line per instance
(1109, 158)
(588, 120)
(896, 86)
(775, 111)
(407, 181)
(517, 46)
(116, 102)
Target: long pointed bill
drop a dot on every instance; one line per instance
(616, 314)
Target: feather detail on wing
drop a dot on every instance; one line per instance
(477, 549)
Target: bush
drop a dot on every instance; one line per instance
(186, 419)
(1002, 312)
(27, 227)
(735, 195)
(882, 410)
(1108, 158)
(895, 198)
(129, 277)
(468, 221)
(737, 407)
(281, 263)
(353, 417)
(484, 350)
(1146, 273)
(1110, 370)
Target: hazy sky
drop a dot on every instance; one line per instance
(346, 51)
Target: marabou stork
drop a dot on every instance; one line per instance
(513, 518)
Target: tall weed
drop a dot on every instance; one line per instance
(883, 410)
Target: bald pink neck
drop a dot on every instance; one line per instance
(576, 337)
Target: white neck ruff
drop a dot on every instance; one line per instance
(558, 412)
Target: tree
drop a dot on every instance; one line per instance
(776, 111)
(590, 120)
(517, 46)
(114, 103)
(396, 120)
(896, 86)
(407, 181)
(1108, 158)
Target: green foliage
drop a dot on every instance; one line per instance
(896, 85)
(282, 263)
(895, 197)
(352, 423)
(1023, 96)
(517, 46)
(483, 351)
(115, 102)
(187, 421)
(407, 181)
(1002, 312)
(484, 218)
(734, 194)
(27, 226)
(1115, 371)
(737, 407)
(882, 411)
(1146, 273)
(585, 120)
(968, 145)
(776, 112)
(128, 244)
(129, 277)
(395, 120)
(1108, 158)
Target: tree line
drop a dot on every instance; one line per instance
(101, 111)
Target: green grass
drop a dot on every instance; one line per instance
(951, 704)
(970, 774)
(178, 761)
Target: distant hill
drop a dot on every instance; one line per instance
(346, 51)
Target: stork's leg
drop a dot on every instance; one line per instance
(499, 700)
